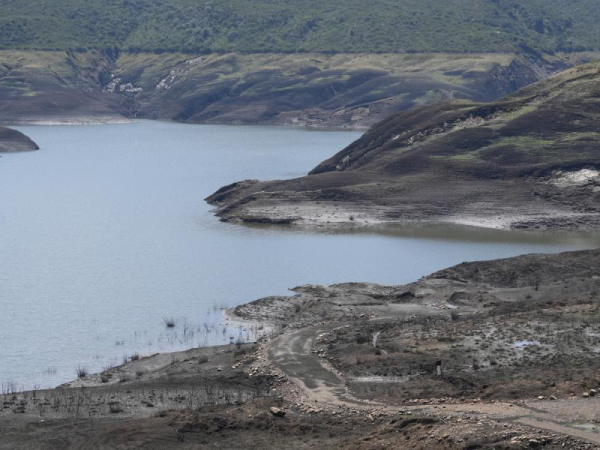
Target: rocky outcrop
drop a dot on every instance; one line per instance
(15, 141)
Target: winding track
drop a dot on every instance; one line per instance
(292, 354)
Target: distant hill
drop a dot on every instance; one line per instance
(528, 160)
(327, 63)
(197, 26)
(312, 89)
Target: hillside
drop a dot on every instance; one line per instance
(53, 87)
(529, 160)
(15, 141)
(307, 63)
(354, 90)
(342, 90)
(301, 26)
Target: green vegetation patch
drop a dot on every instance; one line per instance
(201, 26)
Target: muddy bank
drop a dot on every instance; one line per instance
(12, 141)
(359, 200)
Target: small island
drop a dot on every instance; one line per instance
(12, 141)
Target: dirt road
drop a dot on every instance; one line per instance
(292, 354)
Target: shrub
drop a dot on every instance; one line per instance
(362, 338)
(115, 408)
(82, 372)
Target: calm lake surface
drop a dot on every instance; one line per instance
(104, 233)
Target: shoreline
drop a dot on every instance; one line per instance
(345, 355)
(324, 200)
(349, 219)
(260, 330)
(264, 329)
(77, 121)
(69, 122)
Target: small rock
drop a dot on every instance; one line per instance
(277, 412)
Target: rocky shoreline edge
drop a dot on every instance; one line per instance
(269, 203)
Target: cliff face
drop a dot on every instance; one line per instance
(531, 159)
(15, 141)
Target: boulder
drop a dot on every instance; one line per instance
(277, 412)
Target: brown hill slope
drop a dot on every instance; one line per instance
(341, 90)
(531, 159)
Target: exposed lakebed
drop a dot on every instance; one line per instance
(104, 233)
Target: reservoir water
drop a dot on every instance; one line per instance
(104, 233)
